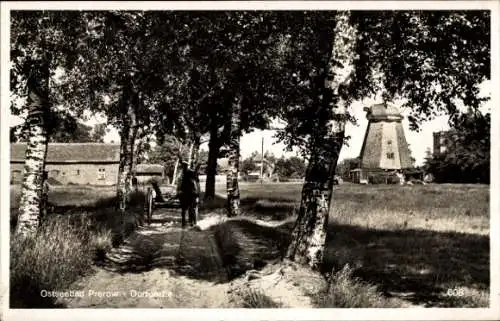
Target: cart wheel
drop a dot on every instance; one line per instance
(149, 205)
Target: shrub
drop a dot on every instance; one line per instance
(256, 299)
(50, 260)
(346, 291)
(101, 242)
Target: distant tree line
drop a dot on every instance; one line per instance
(284, 167)
(65, 129)
(345, 166)
(291, 167)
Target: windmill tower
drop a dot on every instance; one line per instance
(384, 149)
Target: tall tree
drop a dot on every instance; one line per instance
(293, 167)
(98, 132)
(41, 41)
(248, 40)
(365, 48)
(120, 79)
(309, 234)
(233, 191)
(346, 166)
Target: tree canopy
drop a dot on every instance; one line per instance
(434, 61)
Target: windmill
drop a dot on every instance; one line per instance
(262, 153)
(385, 149)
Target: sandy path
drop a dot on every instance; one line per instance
(158, 266)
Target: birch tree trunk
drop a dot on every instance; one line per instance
(134, 152)
(121, 188)
(126, 156)
(176, 167)
(194, 154)
(233, 191)
(190, 154)
(309, 233)
(38, 106)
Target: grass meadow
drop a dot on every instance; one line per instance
(428, 244)
(425, 244)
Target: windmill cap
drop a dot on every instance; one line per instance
(383, 111)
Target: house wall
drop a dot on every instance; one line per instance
(81, 174)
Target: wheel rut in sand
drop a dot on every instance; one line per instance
(181, 267)
(190, 251)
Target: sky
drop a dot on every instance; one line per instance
(251, 142)
(419, 142)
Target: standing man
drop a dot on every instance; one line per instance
(188, 192)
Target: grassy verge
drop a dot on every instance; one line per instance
(256, 299)
(439, 207)
(346, 291)
(67, 244)
(245, 245)
(49, 261)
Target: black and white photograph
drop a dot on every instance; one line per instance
(215, 160)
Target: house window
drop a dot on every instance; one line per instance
(389, 142)
(390, 155)
(78, 172)
(442, 149)
(101, 174)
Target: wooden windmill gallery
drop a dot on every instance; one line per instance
(384, 153)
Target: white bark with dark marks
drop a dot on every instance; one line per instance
(195, 156)
(136, 146)
(176, 169)
(128, 131)
(121, 188)
(30, 206)
(309, 234)
(233, 191)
